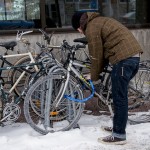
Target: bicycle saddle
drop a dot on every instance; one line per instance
(81, 40)
(9, 45)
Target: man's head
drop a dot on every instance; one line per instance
(76, 20)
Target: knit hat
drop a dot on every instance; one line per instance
(76, 20)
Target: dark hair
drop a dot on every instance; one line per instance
(76, 20)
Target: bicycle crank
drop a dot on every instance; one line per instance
(11, 113)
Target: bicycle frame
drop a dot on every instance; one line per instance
(23, 73)
(71, 67)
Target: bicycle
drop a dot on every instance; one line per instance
(8, 76)
(140, 85)
(14, 74)
(37, 106)
(67, 89)
(10, 110)
(31, 109)
(10, 46)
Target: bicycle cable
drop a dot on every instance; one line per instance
(84, 99)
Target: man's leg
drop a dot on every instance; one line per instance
(121, 75)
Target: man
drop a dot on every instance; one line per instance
(109, 40)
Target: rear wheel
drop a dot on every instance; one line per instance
(138, 96)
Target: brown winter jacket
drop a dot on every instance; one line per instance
(108, 39)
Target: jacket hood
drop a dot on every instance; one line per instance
(92, 15)
(87, 17)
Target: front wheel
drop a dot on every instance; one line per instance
(139, 96)
(40, 108)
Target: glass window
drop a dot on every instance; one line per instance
(123, 0)
(12, 10)
(87, 4)
(19, 14)
(2, 10)
(29, 13)
(69, 1)
(19, 9)
(32, 9)
(123, 10)
(104, 1)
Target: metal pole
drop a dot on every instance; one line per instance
(127, 6)
(25, 11)
(5, 10)
(100, 7)
(118, 11)
(42, 13)
(58, 13)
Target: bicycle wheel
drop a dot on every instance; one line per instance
(104, 88)
(15, 74)
(40, 108)
(139, 96)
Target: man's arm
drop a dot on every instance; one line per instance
(96, 52)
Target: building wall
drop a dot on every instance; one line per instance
(142, 35)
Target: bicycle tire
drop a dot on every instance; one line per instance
(35, 115)
(14, 75)
(104, 90)
(139, 109)
(138, 99)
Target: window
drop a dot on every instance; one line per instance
(32, 9)
(19, 10)
(104, 1)
(123, 0)
(87, 5)
(69, 1)
(16, 14)
(12, 10)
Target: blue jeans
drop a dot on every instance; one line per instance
(122, 73)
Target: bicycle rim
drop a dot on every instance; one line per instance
(139, 101)
(39, 104)
(138, 96)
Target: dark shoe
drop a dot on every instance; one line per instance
(106, 128)
(112, 140)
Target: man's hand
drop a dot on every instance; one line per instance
(87, 76)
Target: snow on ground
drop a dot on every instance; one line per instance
(20, 136)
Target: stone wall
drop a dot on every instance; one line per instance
(142, 35)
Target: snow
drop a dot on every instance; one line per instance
(20, 136)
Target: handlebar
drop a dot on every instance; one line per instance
(74, 47)
(81, 40)
(21, 33)
(46, 36)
